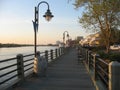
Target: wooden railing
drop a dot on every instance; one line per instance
(15, 69)
(104, 73)
(99, 67)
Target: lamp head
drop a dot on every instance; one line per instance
(67, 35)
(48, 15)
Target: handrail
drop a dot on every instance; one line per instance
(10, 59)
(28, 55)
(28, 60)
(103, 71)
(100, 69)
(96, 65)
(8, 79)
(8, 73)
(101, 60)
(14, 68)
(8, 67)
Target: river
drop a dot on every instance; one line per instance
(6, 53)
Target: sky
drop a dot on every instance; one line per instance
(16, 21)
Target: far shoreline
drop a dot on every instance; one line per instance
(22, 45)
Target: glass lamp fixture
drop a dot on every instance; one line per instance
(48, 15)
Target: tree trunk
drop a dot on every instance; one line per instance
(108, 42)
(107, 48)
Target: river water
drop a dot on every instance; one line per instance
(6, 53)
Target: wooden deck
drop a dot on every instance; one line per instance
(63, 74)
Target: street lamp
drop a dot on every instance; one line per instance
(64, 36)
(48, 15)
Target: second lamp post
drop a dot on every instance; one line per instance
(64, 36)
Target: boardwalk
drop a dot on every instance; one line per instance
(63, 74)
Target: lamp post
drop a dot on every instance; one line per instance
(48, 15)
(64, 36)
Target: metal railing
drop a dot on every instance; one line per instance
(17, 68)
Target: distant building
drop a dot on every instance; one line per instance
(58, 42)
(79, 38)
(91, 40)
(72, 43)
(95, 40)
(61, 45)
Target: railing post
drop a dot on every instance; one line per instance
(46, 55)
(82, 52)
(51, 54)
(20, 67)
(36, 69)
(59, 51)
(114, 76)
(86, 56)
(89, 59)
(63, 50)
(79, 55)
(95, 66)
(56, 53)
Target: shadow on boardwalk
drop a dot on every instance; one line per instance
(63, 74)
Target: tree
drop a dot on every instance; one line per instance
(115, 36)
(100, 15)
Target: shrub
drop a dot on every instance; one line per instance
(114, 57)
(111, 56)
(103, 54)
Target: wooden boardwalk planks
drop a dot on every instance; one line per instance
(63, 74)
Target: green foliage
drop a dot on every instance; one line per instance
(115, 57)
(79, 3)
(103, 54)
(97, 48)
(100, 15)
(111, 56)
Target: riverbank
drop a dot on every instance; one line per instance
(22, 45)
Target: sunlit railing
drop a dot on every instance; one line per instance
(96, 66)
(99, 68)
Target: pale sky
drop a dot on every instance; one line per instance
(16, 21)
